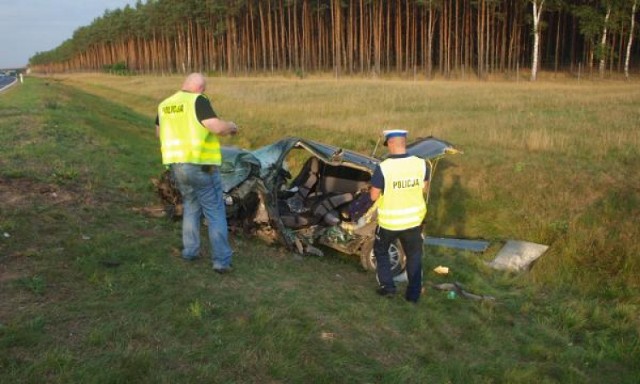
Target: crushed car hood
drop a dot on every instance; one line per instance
(237, 166)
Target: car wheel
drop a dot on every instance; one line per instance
(396, 256)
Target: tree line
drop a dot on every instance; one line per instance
(450, 38)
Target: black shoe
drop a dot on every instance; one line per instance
(411, 300)
(382, 291)
(223, 271)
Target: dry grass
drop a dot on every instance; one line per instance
(568, 116)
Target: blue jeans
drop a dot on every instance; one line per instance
(411, 240)
(202, 193)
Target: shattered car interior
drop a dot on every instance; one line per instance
(325, 203)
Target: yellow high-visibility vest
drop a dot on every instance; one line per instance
(402, 204)
(184, 139)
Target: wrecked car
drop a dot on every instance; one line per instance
(306, 195)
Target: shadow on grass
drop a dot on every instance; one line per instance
(447, 204)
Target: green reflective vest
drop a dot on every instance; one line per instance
(402, 204)
(184, 139)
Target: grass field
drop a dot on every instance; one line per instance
(90, 290)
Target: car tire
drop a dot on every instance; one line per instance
(396, 255)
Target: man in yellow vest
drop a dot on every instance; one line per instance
(399, 182)
(188, 129)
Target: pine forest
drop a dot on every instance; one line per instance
(427, 38)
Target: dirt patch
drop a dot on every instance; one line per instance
(152, 211)
(18, 193)
(12, 297)
(7, 276)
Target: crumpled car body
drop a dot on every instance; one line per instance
(325, 203)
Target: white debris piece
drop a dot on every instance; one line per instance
(517, 255)
(401, 278)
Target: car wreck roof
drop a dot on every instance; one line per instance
(427, 148)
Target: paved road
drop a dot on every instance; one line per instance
(5, 81)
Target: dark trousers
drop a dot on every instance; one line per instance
(411, 241)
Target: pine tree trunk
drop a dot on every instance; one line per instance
(377, 36)
(271, 39)
(557, 52)
(430, 32)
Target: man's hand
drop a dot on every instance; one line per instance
(220, 127)
(233, 128)
(374, 193)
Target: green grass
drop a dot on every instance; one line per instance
(90, 291)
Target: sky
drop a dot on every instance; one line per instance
(31, 26)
